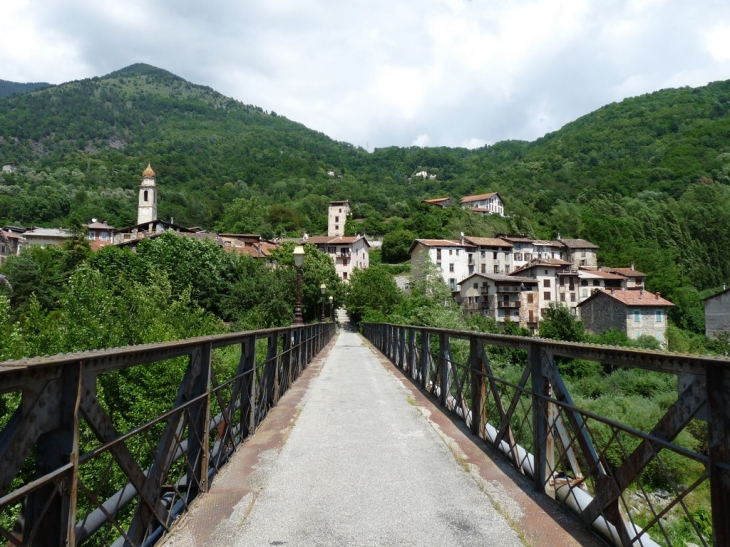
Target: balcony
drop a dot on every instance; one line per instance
(484, 289)
(507, 289)
(509, 304)
(566, 288)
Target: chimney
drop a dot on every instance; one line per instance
(613, 291)
(462, 238)
(658, 294)
(641, 292)
(632, 265)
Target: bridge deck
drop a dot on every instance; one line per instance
(354, 454)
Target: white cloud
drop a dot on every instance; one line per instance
(474, 143)
(422, 140)
(452, 72)
(718, 43)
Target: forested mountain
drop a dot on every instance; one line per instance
(8, 88)
(647, 179)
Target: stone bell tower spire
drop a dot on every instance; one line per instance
(147, 209)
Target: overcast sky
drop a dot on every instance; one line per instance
(377, 73)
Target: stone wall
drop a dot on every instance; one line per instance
(602, 313)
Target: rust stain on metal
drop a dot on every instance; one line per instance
(539, 521)
(232, 486)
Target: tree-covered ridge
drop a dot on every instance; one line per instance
(8, 88)
(646, 179)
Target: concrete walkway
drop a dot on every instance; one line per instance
(361, 466)
(354, 454)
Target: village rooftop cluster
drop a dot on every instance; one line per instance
(509, 278)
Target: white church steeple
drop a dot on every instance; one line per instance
(147, 209)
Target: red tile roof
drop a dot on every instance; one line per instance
(480, 197)
(578, 244)
(335, 240)
(436, 201)
(551, 262)
(632, 297)
(627, 272)
(502, 278)
(96, 225)
(488, 241)
(442, 243)
(602, 274)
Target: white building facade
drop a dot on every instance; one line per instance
(486, 204)
(347, 253)
(450, 257)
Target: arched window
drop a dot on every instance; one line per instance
(145, 195)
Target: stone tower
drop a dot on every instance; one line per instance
(147, 209)
(337, 217)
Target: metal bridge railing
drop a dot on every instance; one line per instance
(603, 470)
(74, 472)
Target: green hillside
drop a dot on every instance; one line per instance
(646, 179)
(8, 88)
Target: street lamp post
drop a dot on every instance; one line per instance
(323, 289)
(298, 262)
(332, 309)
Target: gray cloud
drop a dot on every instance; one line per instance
(388, 72)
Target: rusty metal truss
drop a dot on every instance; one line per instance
(70, 474)
(602, 470)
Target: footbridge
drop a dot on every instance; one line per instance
(397, 436)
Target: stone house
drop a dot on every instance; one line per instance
(598, 280)
(579, 252)
(633, 312)
(486, 204)
(491, 255)
(501, 297)
(347, 252)
(634, 278)
(99, 234)
(717, 314)
(546, 273)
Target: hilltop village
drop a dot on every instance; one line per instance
(509, 277)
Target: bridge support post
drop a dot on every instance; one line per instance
(444, 354)
(271, 375)
(198, 423)
(540, 389)
(478, 387)
(287, 364)
(401, 347)
(51, 510)
(425, 350)
(248, 387)
(718, 423)
(412, 353)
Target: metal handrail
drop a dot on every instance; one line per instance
(538, 427)
(186, 445)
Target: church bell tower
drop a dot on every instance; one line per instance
(147, 209)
